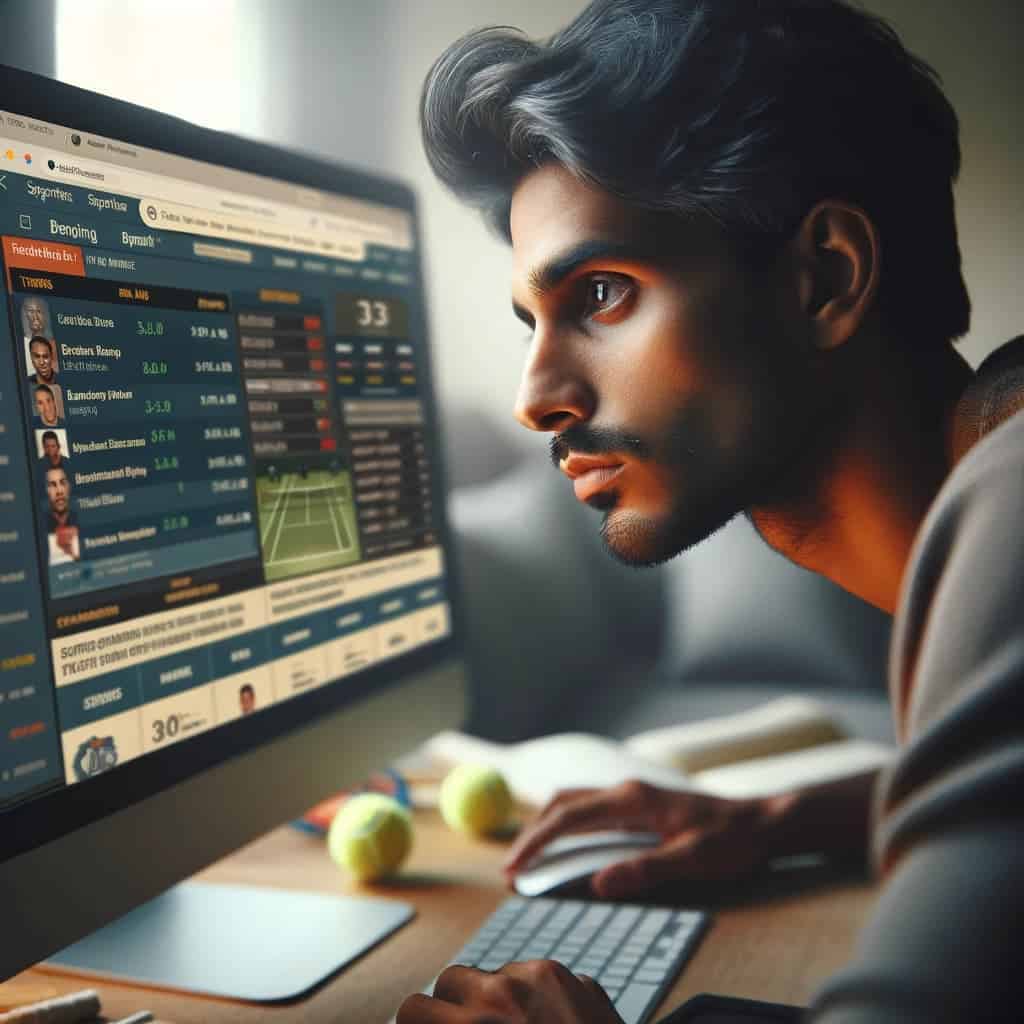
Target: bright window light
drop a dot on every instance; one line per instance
(181, 57)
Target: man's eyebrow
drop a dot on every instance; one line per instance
(551, 274)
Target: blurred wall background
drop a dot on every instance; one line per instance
(342, 77)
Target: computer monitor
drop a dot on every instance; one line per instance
(226, 582)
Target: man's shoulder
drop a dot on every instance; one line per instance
(963, 591)
(991, 471)
(987, 484)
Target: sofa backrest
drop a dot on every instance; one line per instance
(736, 610)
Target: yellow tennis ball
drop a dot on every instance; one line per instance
(475, 798)
(370, 836)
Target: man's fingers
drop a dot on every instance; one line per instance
(678, 859)
(596, 992)
(421, 1009)
(456, 983)
(464, 995)
(608, 808)
(579, 991)
(564, 796)
(720, 852)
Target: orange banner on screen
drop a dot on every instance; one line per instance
(29, 254)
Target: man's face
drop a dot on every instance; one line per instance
(58, 490)
(42, 359)
(247, 701)
(36, 319)
(676, 383)
(51, 449)
(46, 407)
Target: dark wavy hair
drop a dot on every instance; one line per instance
(747, 112)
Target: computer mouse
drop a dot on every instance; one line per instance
(570, 859)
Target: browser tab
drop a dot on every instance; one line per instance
(108, 203)
(47, 194)
(74, 231)
(139, 240)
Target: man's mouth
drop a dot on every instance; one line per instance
(590, 474)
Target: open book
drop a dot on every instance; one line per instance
(786, 744)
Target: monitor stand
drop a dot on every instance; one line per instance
(241, 942)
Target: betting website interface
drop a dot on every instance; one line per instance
(215, 476)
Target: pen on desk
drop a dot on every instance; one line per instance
(136, 1018)
(70, 1009)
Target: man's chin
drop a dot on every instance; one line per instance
(643, 542)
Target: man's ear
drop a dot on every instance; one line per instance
(838, 260)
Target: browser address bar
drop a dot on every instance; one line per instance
(165, 216)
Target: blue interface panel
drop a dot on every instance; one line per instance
(216, 478)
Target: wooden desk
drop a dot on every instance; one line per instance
(777, 946)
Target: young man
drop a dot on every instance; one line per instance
(59, 522)
(52, 456)
(734, 244)
(46, 406)
(40, 351)
(35, 318)
(246, 699)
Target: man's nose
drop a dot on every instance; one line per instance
(554, 392)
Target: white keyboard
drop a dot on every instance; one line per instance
(634, 952)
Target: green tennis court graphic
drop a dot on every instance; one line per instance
(307, 523)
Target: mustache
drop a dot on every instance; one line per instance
(595, 441)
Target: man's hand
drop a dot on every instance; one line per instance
(536, 992)
(703, 837)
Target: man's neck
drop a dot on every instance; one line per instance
(858, 524)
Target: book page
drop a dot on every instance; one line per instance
(789, 723)
(766, 776)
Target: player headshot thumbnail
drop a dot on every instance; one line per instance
(60, 524)
(43, 359)
(35, 318)
(51, 446)
(247, 699)
(46, 405)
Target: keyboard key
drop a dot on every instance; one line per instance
(649, 976)
(492, 963)
(540, 951)
(634, 1000)
(610, 977)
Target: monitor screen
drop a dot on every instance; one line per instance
(221, 512)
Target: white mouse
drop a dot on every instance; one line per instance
(569, 859)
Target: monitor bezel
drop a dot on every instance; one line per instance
(44, 816)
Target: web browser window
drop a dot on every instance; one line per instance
(216, 476)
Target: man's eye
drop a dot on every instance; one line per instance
(606, 296)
